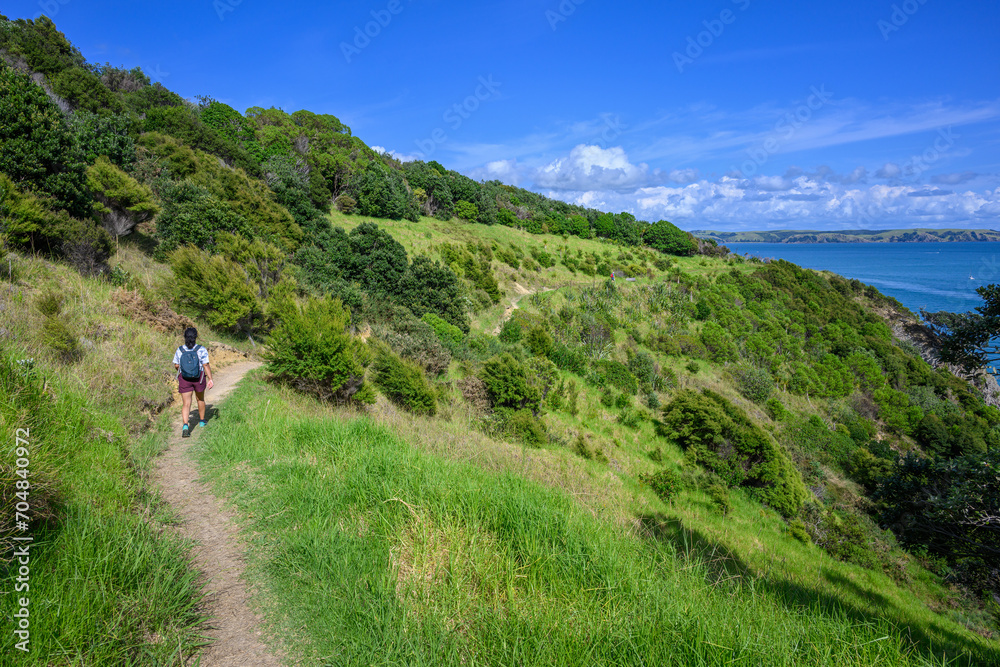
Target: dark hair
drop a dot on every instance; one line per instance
(190, 336)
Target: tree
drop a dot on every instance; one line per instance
(37, 150)
(192, 215)
(951, 507)
(84, 90)
(109, 135)
(669, 239)
(466, 210)
(428, 286)
(122, 202)
(965, 337)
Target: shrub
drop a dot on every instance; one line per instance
(407, 336)
(797, 529)
(664, 483)
(539, 341)
(692, 367)
(754, 383)
(614, 373)
(403, 382)
(449, 334)
(217, 288)
(719, 342)
(721, 437)
(524, 426)
(718, 493)
(776, 410)
(507, 384)
(345, 204)
(312, 350)
(569, 358)
(122, 201)
(867, 469)
(829, 446)
(846, 539)
(87, 248)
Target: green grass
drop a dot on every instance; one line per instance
(367, 551)
(106, 585)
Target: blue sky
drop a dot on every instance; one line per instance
(727, 115)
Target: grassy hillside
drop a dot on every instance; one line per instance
(372, 552)
(470, 445)
(469, 543)
(595, 458)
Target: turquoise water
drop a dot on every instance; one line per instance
(932, 276)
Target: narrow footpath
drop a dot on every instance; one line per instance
(218, 554)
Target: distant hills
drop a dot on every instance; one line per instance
(852, 236)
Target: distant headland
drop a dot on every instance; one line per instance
(853, 236)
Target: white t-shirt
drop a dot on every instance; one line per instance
(202, 356)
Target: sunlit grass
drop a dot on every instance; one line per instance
(369, 551)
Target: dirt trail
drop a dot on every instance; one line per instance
(521, 293)
(218, 553)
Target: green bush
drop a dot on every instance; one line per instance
(664, 483)
(539, 341)
(407, 336)
(568, 358)
(59, 335)
(867, 469)
(403, 382)
(608, 372)
(846, 539)
(508, 386)
(524, 426)
(719, 342)
(721, 437)
(776, 410)
(449, 334)
(217, 288)
(829, 446)
(718, 493)
(312, 350)
(754, 383)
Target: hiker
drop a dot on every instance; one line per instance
(193, 374)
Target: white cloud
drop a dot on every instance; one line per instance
(890, 170)
(683, 176)
(592, 168)
(402, 157)
(506, 171)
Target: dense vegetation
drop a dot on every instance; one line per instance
(776, 397)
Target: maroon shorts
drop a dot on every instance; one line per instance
(187, 386)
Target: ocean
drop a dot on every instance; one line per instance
(930, 276)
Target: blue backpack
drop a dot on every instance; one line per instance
(190, 366)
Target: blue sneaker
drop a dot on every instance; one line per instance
(185, 431)
(203, 423)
